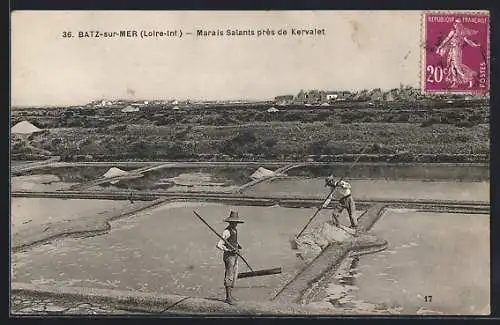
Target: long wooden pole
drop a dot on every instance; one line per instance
(315, 214)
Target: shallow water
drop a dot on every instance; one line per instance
(39, 183)
(38, 212)
(377, 189)
(445, 256)
(169, 250)
(175, 180)
(415, 171)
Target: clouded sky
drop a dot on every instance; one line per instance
(359, 50)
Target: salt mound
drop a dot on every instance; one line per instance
(312, 243)
(324, 234)
(332, 233)
(24, 127)
(114, 172)
(262, 173)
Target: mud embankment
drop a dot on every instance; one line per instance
(330, 258)
(365, 170)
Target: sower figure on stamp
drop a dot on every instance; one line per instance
(342, 194)
(452, 47)
(230, 258)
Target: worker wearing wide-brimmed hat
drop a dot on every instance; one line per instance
(230, 258)
(342, 194)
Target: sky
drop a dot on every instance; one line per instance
(359, 50)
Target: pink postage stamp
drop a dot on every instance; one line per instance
(456, 53)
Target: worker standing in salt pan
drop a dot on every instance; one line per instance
(342, 194)
(230, 258)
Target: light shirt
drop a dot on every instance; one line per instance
(343, 189)
(221, 244)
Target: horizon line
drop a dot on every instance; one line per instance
(136, 99)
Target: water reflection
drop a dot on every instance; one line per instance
(338, 293)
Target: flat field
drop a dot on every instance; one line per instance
(252, 133)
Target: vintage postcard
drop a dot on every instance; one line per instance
(250, 163)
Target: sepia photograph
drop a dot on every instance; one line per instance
(251, 163)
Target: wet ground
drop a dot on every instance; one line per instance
(436, 263)
(21, 305)
(377, 189)
(169, 250)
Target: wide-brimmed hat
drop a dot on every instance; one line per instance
(234, 217)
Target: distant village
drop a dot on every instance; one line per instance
(302, 98)
(325, 98)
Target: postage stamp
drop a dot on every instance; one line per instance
(456, 53)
